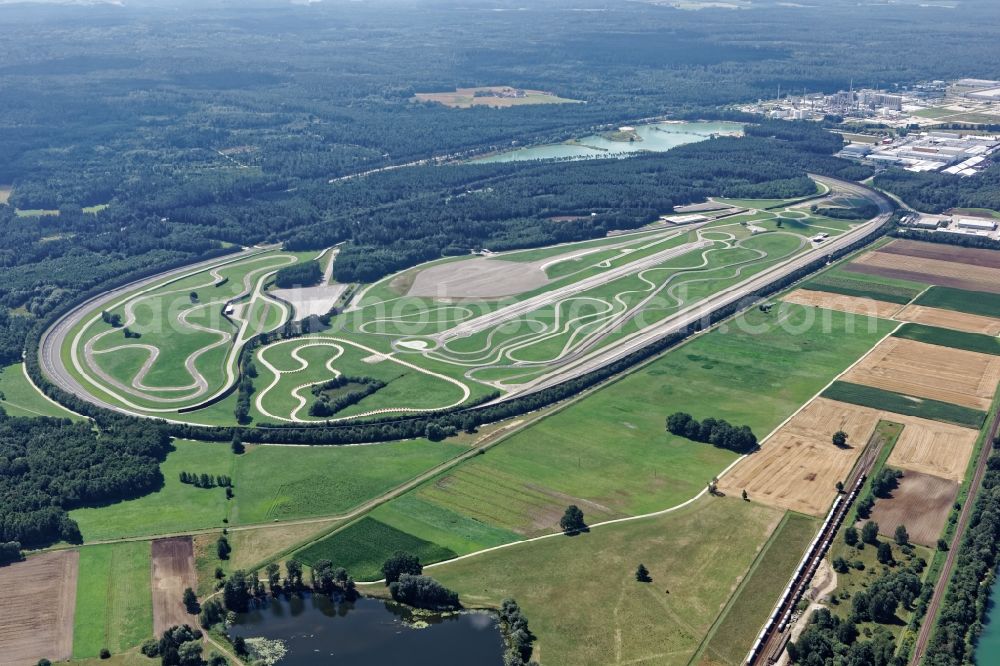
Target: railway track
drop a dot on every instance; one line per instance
(923, 637)
(776, 633)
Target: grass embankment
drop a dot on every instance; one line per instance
(869, 396)
(610, 453)
(946, 337)
(271, 483)
(841, 281)
(961, 300)
(581, 595)
(738, 625)
(114, 607)
(20, 398)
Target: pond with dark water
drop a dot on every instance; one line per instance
(317, 630)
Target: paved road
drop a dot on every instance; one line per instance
(963, 522)
(570, 366)
(573, 366)
(55, 337)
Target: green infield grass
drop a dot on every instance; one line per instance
(946, 337)
(20, 398)
(869, 396)
(585, 586)
(741, 621)
(359, 548)
(961, 300)
(114, 606)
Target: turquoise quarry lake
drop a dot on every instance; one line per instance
(655, 137)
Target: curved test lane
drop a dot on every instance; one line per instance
(55, 337)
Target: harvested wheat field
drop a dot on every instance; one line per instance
(853, 304)
(915, 368)
(932, 447)
(798, 467)
(921, 503)
(935, 271)
(173, 571)
(37, 604)
(963, 255)
(957, 321)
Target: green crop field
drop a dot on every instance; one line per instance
(868, 396)
(114, 607)
(359, 548)
(743, 618)
(584, 586)
(946, 337)
(610, 452)
(176, 507)
(20, 398)
(961, 300)
(271, 483)
(275, 482)
(842, 281)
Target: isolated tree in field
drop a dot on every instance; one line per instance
(222, 548)
(191, 602)
(884, 553)
(902, 536)
(746, 498)
(840, 438)
(642, 574)
(869, 532)
(840, 565)
(194, 296)
(401, 563)
(237, 444)
(840, 486)
(572, 520)
(851, 536)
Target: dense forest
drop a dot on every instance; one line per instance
(937, 192)
(960, 619)
(49, 466)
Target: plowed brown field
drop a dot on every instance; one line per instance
(853, 304)
(798, 467)
(173, 571)
(36, 608)
(958, 321)
(934, 271)
(928, 371)
(921, 503)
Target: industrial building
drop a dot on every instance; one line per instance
(957, 154)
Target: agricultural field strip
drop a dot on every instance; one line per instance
(607, 322)
(316, 341)
(570, 368)
(201, 385)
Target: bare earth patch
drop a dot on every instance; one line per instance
(928, 371)
(798, 467)
(311, 300)
(958, 321)
(932, 447)
(173, 571)
(37, 607)
(853, 304)
(921, 503)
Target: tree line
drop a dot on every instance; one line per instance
(49, 466)
(717, 432)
